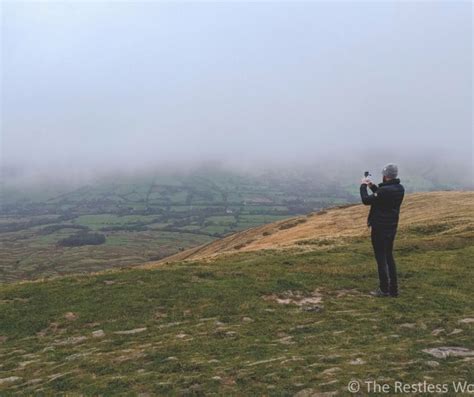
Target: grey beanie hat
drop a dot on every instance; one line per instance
(390, 170)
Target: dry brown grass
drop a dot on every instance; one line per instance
(454, 210)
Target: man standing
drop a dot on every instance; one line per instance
(383, 219)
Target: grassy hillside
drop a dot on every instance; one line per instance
(422, 213)
(261, 322)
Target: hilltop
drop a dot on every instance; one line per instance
(285, 314)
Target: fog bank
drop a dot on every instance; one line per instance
(92, 87)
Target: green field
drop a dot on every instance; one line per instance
(143, 218)
(261, 323)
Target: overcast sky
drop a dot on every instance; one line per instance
(127, 83)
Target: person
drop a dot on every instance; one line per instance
(385, 202)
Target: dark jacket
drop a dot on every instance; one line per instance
(384, 204)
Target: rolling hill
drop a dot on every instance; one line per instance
(450, 212)
(278, 310)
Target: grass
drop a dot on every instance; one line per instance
(97, 222)
(216, 327)
(317, 242)
(433, 228)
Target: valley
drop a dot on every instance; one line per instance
(121, 221)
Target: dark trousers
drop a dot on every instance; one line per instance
(382, 241)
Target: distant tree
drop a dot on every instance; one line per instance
(82, 238)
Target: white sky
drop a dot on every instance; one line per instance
(128, 83)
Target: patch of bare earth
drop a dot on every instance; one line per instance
(307, 302)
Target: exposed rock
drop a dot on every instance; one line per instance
(220, 331)
(131, 355)
(73, 340)
(331, 357)
(330, 371)
(408, 325)
(76, 356)
(51, 328)
(292, 359)
(265, 361)
(247, 320)
(195, 387)
(228, 381)
(444, 352)
(357, 361)
(468, 320)
(159, 315)
(34, 381)
(70, 316)
(314, 393)
(10, 379)
(432, 364)
(296, 298)
(455, 331)
(286, 340)
(172, 324)
(207, 318)
(26, 363)
(130, 331)
(181, 335)
(109, 282)
(437, 331)
(98, 334)
(57, 376)
(48, 349)
(30, 355)
(216, 378)
(332, 382)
